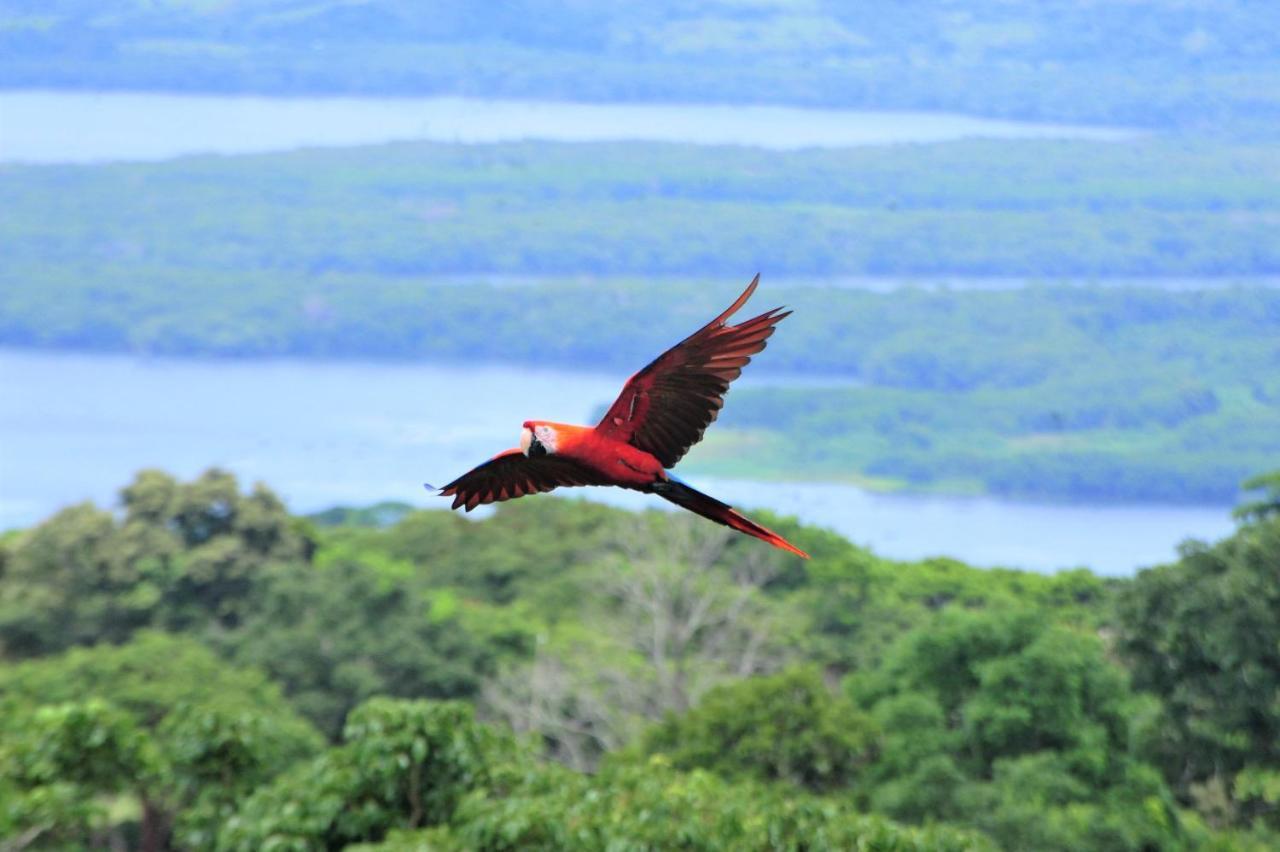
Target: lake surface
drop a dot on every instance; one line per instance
(77, 427)
(84, 127)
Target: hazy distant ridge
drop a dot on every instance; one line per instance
(1155, 63)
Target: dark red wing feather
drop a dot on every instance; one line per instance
(512, 474)
(665, 408)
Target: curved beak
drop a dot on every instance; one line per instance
(526, 440)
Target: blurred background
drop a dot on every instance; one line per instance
(340, 249)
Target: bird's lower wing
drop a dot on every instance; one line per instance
(512, 474)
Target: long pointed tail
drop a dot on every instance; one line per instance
(722, 513)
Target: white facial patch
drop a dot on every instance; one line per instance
(546, 437)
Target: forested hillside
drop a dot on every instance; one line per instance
(202, 670)
(1150, 63)
(1153, 207)
(599, 256)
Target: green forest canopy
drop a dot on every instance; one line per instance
(243, 678)
(1152, 206)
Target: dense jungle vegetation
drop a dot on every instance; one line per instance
(199, 669)
(1150, 62)
(600, 256)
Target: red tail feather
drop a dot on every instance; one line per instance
(722, 513)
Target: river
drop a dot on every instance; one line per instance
(77, 427)
(84, 127)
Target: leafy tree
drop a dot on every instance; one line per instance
(68, 583)
(227, 539)
(1265, 506)
(651, 806)
(402, 765)
(339, 634)
(915, 775)
(1257, 793)
(183, 556)
(485, 793)
(216, 757)
(75, 772)
(478, 559)
(1040, 801)
(158, 726)
(1019, 726)
(67, 757)
(1203, 634)
(784, 727)
(1052, 695)
(148, 678)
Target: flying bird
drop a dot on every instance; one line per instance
(663, 410)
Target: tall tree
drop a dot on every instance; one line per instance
(1203, 634)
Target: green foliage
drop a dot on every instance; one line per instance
(217, 758)
(787, 727)
(856, 605)
(341, 633)
(1268, 504)
(1036, 802)
(159, 722)
(90, 744)
(402, 765)
(184, 556)
(982, 709)
(348, 225)
(1257, 792)
(69, 755)
(650, 806)
(1012, 684)
(1203, 634)
(550, 539)
(148, 677)
(1020, 727)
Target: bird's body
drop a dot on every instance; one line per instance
(626, 465)
(662, 411)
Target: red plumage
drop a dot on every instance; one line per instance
(663, 410)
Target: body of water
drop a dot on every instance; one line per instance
(77, 427)
(85, 127)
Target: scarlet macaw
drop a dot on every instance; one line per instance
(662, 412)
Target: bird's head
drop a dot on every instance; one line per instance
(537, 439)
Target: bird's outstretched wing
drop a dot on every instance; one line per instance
(665, 408)
(512, 474)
